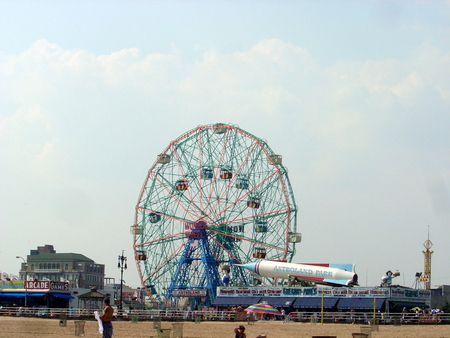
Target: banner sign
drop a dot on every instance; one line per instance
(189, 293)
(401, 293)
(360, 292)
(356, 292)
(263, 291)
(35, 285)
(11, 285)
(47, 285)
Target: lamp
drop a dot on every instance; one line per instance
(122, 264)
(26, 278)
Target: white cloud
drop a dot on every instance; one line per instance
(80, 131)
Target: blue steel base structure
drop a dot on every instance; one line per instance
(197, 269)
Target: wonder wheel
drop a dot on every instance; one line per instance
(216, 197)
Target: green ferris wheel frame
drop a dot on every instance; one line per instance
(228, 179)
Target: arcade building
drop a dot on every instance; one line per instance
(50, 294)
(46, 278)
(76, 269)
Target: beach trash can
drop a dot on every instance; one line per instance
(156, 323)
(79, 328)
(177, 330)
(375, 325)
(164, 333)
(63, 320)
(134, 317)
(397, 322)
(367, 330)
(198, 319)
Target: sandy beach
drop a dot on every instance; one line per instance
(13, 327)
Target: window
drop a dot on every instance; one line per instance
(66, 266)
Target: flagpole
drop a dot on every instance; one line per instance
(321, 317)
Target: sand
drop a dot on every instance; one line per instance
(13, 327)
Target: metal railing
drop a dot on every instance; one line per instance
(369, 318)
(217, 315)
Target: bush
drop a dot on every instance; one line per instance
(446, 307)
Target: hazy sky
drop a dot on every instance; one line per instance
(354, 94)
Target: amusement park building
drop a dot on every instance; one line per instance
(78, 270)
(388, 299)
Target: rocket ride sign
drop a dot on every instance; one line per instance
(326, 274)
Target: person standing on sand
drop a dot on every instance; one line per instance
(106, 317)
(240, 332)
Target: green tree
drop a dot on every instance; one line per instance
(446, 307)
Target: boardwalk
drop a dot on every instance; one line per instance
(42, 327)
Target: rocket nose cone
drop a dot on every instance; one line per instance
(249, 266)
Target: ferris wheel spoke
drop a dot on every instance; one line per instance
(168, 237)
(221, 147)
(272, 213)
(231, 182)
(165, 215)
(209, 148)
(186, 170)
(174, 198)
(228, 251)
(246, 239)
(249, 193)
(164, 262)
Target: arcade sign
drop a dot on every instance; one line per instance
(47, 285)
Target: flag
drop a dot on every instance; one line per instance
(4, 276)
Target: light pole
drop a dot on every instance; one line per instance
(26, 278)
(122, 264)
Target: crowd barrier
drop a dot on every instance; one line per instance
(226, 315)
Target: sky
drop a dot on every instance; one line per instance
(355, 95)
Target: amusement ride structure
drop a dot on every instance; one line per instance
(216, 197)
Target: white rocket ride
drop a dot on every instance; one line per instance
(327, 274)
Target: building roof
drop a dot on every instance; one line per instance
(60, 257)
(93, 294)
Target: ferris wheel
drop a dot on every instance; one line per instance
(216, 197)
